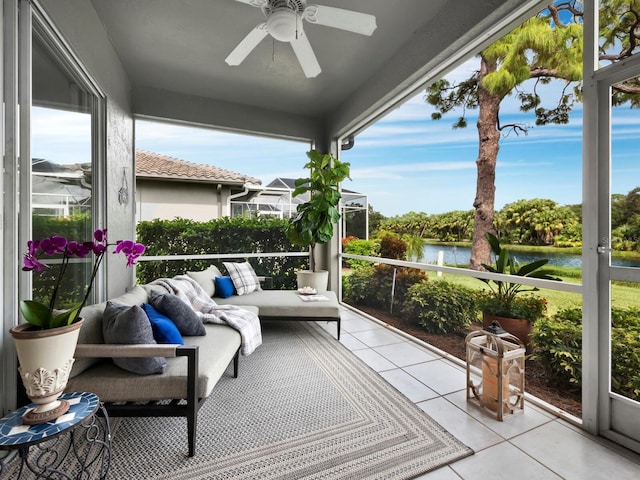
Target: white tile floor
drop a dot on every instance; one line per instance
(532, 445)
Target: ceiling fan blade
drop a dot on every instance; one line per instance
(255, 3)
(356, 22)
(246, 46)
(306, 57)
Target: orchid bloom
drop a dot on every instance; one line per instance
(59, 245)
(131, 250)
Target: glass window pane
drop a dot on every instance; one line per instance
(61, 192)
(625, 242)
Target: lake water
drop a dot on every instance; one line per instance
(460, 256)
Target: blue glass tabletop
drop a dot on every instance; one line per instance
(13, 433)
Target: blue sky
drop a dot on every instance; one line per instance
(405, 162)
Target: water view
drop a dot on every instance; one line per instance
(459, 256)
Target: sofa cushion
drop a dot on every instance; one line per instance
(287, 304)
(125, 324)
(112, 384)
(91, 331)
(224, 287)
(164, 330)
(179, 312)
(205, 279)
(243, 276)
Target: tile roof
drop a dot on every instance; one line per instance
(149, 164)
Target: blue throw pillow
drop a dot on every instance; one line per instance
(164, 330)
(224, 287)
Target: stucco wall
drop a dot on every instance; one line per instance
(168, 200)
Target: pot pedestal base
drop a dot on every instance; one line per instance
(35, 417)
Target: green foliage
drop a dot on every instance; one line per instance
(225, 235)
(525, 307)
(535, 222)
(412, 223)
(373, 285)
(503, 294)
(625, 221)
(314, 220)
(392, 246)
(375, 219)
(440, 307)
(356, 221)
(70, 292)
(625, 345)
(558, 346)
(454, 226)
(415, 247)
(366, 248)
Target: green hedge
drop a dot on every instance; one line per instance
(225, 235)
(440, 307)
(72, 289)
(558, 345)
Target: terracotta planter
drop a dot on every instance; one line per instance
(515, 326)
(46, 358)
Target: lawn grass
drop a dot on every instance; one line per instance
(624, 294)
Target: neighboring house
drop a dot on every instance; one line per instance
(60, 190)
(276, 199)
(167, 188)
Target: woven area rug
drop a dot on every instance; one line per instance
(303, 406)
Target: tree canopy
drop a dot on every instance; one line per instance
(547, 47)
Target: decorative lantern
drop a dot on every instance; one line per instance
(498, 357)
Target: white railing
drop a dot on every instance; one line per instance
(534, 282)
(217, 256)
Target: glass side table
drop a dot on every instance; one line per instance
(73, 446)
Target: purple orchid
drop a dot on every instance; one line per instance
(33, 311)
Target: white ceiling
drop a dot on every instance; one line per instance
(174, 50)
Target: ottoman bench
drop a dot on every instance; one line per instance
(289, 305)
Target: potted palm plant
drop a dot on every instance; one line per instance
(504, 303)
(314, 220)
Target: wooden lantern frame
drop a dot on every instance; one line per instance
(498, 360)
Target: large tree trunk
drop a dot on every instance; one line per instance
(489, 136)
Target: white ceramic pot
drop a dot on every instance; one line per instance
(318, 280)
(46, 358)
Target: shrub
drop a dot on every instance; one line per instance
(366, 248)
(392, 246)
(625, 344)
(440, 307)
(558, 345)
(357, 287)
(373, 285)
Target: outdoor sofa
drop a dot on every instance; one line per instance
(192, 370)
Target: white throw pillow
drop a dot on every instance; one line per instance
(243, 276)
(205, 279)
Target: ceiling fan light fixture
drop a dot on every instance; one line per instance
(283, 25)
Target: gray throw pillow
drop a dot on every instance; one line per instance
(179, 312)
(125, 324)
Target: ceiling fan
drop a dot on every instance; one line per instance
(284, 23)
